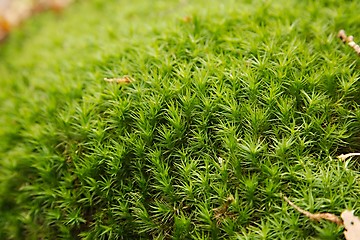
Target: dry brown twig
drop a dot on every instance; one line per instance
(349, 40)
(350, 222)
(316, 216)
(343, 157)
(120, 80)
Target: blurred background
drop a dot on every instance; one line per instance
(14, 12)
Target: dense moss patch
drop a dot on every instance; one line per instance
(239, 101)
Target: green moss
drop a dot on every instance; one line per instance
(243, 99)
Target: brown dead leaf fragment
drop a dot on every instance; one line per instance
(316, 216)
(121, 80)
(351, 224)
(222, 211)
(349, 40)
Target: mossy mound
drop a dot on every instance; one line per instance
(231, 104)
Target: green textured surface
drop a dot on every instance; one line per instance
(247, 99)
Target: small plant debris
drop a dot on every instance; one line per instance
(187, 19)
(349, 40)
(343, 157)
(121, 80)
(316, 216)
(222, 211)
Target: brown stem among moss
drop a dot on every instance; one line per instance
(316, 216)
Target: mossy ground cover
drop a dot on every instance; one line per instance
(230, 100)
